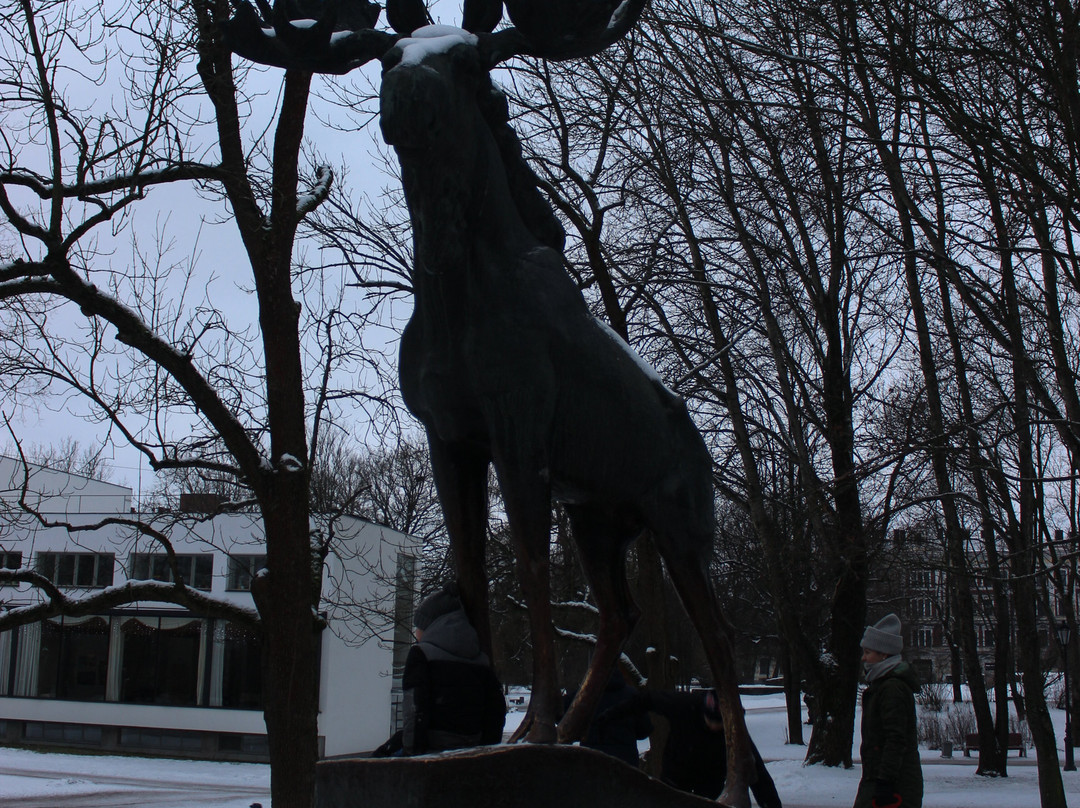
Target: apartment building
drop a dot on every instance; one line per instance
(916, 585)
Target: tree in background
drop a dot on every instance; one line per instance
(846, 237)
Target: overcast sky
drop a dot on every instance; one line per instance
(196, 232)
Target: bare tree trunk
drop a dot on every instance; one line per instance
(1023, 545)
(792, 698)
(288, 596)
(290, 658)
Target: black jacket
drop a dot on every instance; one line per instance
(890, 738)
(452, 698)
(695, 756)
(617, 737)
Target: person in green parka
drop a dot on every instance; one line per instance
(891, 771)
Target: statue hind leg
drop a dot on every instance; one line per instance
(717, 636)
(602, 550)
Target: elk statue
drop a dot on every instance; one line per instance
(502, 361)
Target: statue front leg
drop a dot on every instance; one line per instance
(527, 498)
(461, 479)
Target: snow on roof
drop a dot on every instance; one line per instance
(54, 491)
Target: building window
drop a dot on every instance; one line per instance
(10, 561)
(245, 744)
(77, 570)
(139, 659)
(62, 733)
(242, 569)
(195, 570)
(922, 579)
(404, 605)
(922, 607)
(922, 638)
(174, 740)
(160, 660)
(73, 660)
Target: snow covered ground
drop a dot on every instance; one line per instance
(39, 780)
(948, 783)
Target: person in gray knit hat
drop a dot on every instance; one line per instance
(451, 698)
(891, 771)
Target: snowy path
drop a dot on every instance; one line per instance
(31, 779)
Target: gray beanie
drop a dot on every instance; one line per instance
(444, 601)
(884, 636)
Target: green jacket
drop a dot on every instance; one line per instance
(890, 740)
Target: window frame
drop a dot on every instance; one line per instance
(71, 570)
(197, 569)
(241, 564)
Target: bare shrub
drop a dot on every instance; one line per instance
(948, 722)
(933, 696)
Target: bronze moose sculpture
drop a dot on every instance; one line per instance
(502, 362)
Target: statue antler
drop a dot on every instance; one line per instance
(323, 36)
(336, 36)
(564, 29)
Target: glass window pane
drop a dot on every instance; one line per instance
(85, 661)
(160, 666)
(183, 568)
(46, 565)
(65, 570)
(84, 570)
(138, 671)
(242, 569)
(179, 660)
(106, 562)
(242, 669)
(235, 577)
(204, 572)
(52, 641)
(10, 561)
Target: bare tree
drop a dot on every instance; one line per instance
(751, 286)
(95, 313)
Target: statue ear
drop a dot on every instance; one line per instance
(405, 16)
(481, 16)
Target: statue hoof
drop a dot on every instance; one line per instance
(542, 732)
(734, 798)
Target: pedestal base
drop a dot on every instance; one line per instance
(515, 776)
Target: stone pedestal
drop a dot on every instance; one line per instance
(509, 776)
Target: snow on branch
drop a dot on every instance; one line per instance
(46, 189)
(57, 603)
(305, 203)
(576, 636)
(581, 605)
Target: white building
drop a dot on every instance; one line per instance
(156, 677)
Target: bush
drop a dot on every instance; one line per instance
(933, 696)
(1055, 694)
(947, 722)
(954, 723)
